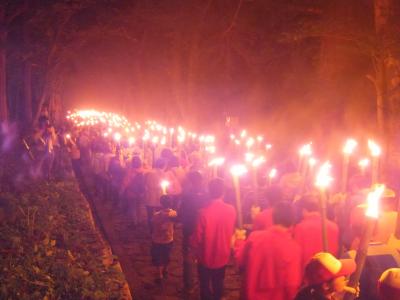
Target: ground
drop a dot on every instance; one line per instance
(132, 247)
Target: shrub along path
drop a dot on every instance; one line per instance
(132, 246)
(49, 246)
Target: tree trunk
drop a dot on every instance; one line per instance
(3, 93)
(382, 9)
(27, 92)
(381, 97)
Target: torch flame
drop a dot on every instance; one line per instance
(218, 161)
(238, 170)
(305, 150)
(374, 148)
(363, 163)
(131, 141)
(164, 185)
(373, 201)
(258, 161)
(248, 157)
(324, 177)
(312, 162)
(272, 173)
(349, 146)
(117, 136)
(250, 142)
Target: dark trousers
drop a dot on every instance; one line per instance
(189, 265)
(211, 282)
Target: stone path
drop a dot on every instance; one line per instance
(132, 247)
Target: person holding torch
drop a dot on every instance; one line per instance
(211, 240)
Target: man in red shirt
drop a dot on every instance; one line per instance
(271, 259)
(211, 241)
(308, 233)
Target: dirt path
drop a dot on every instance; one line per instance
(132, 246)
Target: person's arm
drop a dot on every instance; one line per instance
(197, 238)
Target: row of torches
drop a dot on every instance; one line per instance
(153, 133)
(120, 129)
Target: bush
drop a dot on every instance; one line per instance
(50, 248)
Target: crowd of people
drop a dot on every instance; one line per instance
(279, 251)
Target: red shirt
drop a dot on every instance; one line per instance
(263, 220)
(272, 265)
(308, 233)
(212, 237)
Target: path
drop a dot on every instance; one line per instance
(132, 246)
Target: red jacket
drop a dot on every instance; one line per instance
(272, 265)
(211, 240)
(308, 233)
(263, 220)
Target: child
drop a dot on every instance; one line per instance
(162, 236)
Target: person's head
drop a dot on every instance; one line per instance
(273, 195)
(282, 214)
(173, 162)
(389, 285)
(136, 162)
(195, 180)
(328, 274)
(309, 204)
(160, 164)
(216, 188)
(166, 154)
(166, 201)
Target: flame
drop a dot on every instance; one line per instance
(374, 148)
(272, 173)
(363, 163)
(248, 157)
(324, 177)
(117, 136)
(238, 170)
(131, 140)
(349, 146)
(312, 162)
(250, 142)
(258, 161)
(164, 185)
(218, 161)
(373, 201)
(305, 150)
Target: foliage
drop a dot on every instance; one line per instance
(50, 248)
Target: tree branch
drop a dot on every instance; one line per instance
(235, 16)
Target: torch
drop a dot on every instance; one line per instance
(363, 164)
(164, 185)
(375, 151)
(305, 150)
(322, 182)
(271, 175)
(237, 171)
(372, 214)
(215, 163)
(348, 149)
